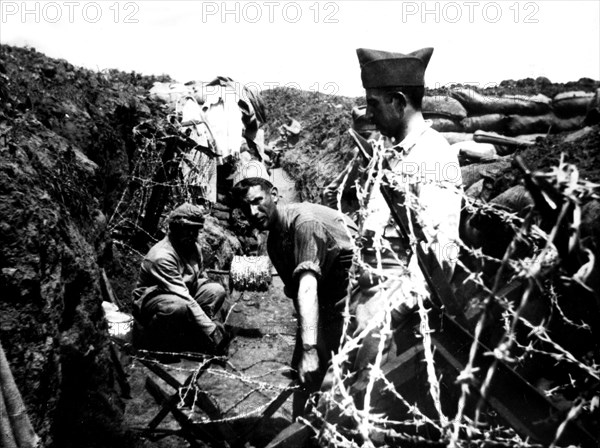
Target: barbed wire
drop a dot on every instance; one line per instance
(541, 263)
(536, 269)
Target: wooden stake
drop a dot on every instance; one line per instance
(23, 432)
(7, 438)
(110, 293)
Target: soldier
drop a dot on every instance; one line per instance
(178, 307)
(421, 165)
(348, 200)
(421, 162)
(311, 247)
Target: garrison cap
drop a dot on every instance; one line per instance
(187, 215)
(385, 69)
(250, 170)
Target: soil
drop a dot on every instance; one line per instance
(581, 148)
(324, 146)
(264, 358)
(67, 152)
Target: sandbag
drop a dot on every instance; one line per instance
(474, 172)
(477, 104)
(517, 199)
(481, 190)
(518, 125)
(168, 92)
(456, 137)
(474, 191)
(475, 152)
(441, 124)
(592, 115)
(491, 122)
(579, 134)
(443, 106)
(570, 104)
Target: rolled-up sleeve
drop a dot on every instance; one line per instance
(311, 248)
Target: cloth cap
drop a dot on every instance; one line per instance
(359, 122)
(294, 127)
(250, 170)
(187, 215)
(385, 69)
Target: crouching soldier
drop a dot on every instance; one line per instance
(177, 306)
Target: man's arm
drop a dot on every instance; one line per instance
(329, 196)
(440, 219)
(308, 308)
(310, 254)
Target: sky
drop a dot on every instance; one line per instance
(312, 45)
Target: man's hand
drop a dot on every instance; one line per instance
(309, 364)
(221, 339)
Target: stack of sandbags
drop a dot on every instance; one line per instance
(518, 115)
(497, 113)
(221, 210)
(464, 111)
(444, 112)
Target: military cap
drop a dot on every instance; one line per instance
(381, 69)
(187, 215)
(250, 170)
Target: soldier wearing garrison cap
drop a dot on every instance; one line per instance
(420, 159)
(422, 165)
(178, 308)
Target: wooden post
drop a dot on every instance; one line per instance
(7, 438)
(22, 430)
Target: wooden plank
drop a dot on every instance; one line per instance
(166, 407)
(271, 409)
(191, 432)
(161, 373)
(202, 400)
(276, 404)
(539, 418)
(121, 375)
(107, 289)
(536, 417)
(294, 436)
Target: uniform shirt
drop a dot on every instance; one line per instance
(315, 238)
(166, 271)
(425, 165)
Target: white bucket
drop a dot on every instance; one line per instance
(120, 325)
